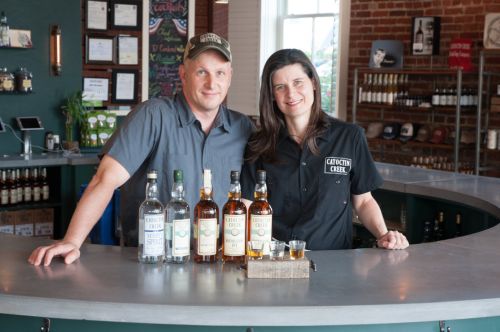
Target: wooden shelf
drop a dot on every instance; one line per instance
(396, 141)
(439, 109)
(436, 71)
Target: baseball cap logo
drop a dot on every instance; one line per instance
(210, 37)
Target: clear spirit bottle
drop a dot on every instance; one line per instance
(260, 214)
(206, 224)
(151, 224)
(234, 223)
(178, 226)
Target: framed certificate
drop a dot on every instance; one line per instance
(126, 14)
(96, 17)
(128, 50)
(95, 88)
(124, 86)
(99, 50)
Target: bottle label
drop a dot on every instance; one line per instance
(45, 192)
(234, 234)
(36, 194)
(5, 197)
(27, 194)
(154, 236)
(13, 196)
(207, 237)
(261, 229)
(181, 237)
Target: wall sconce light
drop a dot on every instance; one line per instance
(225, 2)
(55, 50)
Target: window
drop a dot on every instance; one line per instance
(312, 26)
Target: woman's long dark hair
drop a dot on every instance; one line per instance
(263, 142)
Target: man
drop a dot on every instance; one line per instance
(191, 131)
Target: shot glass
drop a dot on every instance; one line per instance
(297, 249)
(276, 250)
(255, 250)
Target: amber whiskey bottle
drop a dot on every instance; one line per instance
(234, 223)
(260, 214)
(206, 223)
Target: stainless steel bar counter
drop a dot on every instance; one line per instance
(447, 280)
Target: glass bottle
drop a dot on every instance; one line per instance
(19, 186)
(24, 80)
(27, 192)
(206, 223)
(234, 223)
(4, 189)
(178, 226)
(440, 233)
(12, 187)
(36, 188)
(4, 31)
(45, 193)
(6, 80)
(151, 224)
(260, 214)
(458, 225)
(418, 45)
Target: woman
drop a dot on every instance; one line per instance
(318, 168)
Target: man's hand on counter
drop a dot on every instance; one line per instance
(69, 251)
(392, 240)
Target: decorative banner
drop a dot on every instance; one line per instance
(167, 38)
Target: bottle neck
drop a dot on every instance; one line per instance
(152, 189)
(234, 191)
(178, 190)
(206, 194)
(260, 191)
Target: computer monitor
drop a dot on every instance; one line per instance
(29, 123)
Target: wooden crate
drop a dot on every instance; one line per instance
(285, 269)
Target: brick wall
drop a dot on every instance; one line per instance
(378, 19)
(211, 17)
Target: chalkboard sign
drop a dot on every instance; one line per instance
(167, 38)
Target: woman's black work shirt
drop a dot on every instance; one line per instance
(311, 195)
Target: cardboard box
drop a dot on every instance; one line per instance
(495, 109)
(495, 100)
(44, 223)
(5, 226)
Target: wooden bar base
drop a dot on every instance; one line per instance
(285, 269)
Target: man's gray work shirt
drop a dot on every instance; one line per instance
(163, 134)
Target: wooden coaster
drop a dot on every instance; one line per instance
(285, 269)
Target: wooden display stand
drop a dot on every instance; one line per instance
(284, 269)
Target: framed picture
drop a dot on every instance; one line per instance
(126, 14)
(96, 14)
(128, 50)
(124, 86)
(95, 88)
(20, 38)
(425, 35)
(386, 54)
(99, 50)
(491, 37)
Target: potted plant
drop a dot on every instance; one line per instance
(74, 111)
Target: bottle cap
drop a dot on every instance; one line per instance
(152, 174)
(235, 176)
(178, 175)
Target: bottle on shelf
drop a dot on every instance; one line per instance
(4, 189)
(362, 89)
(11, 176)
(418, 43)
(178, 226)
(36, 187)
(4, 31)
(24, 80)
(19, 186)
(234, 223)
(206, 223)
(45, 194)
(260, 214)
(427, 236)
(458, 225)
(151, 247)
(439, 227)
(27, 192)
(435, 97)
(369, 89)
(385, 89)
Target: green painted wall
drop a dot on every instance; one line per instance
(49, 91)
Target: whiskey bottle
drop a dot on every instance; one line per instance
(4, 189)
(45, 185)
(206, 223)
(27, 194)
(151, 224)
(178, 226)
(36, 188)
(234, 223)
(12, 187)
(418, 44)
(19, 186)
(260, 214)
